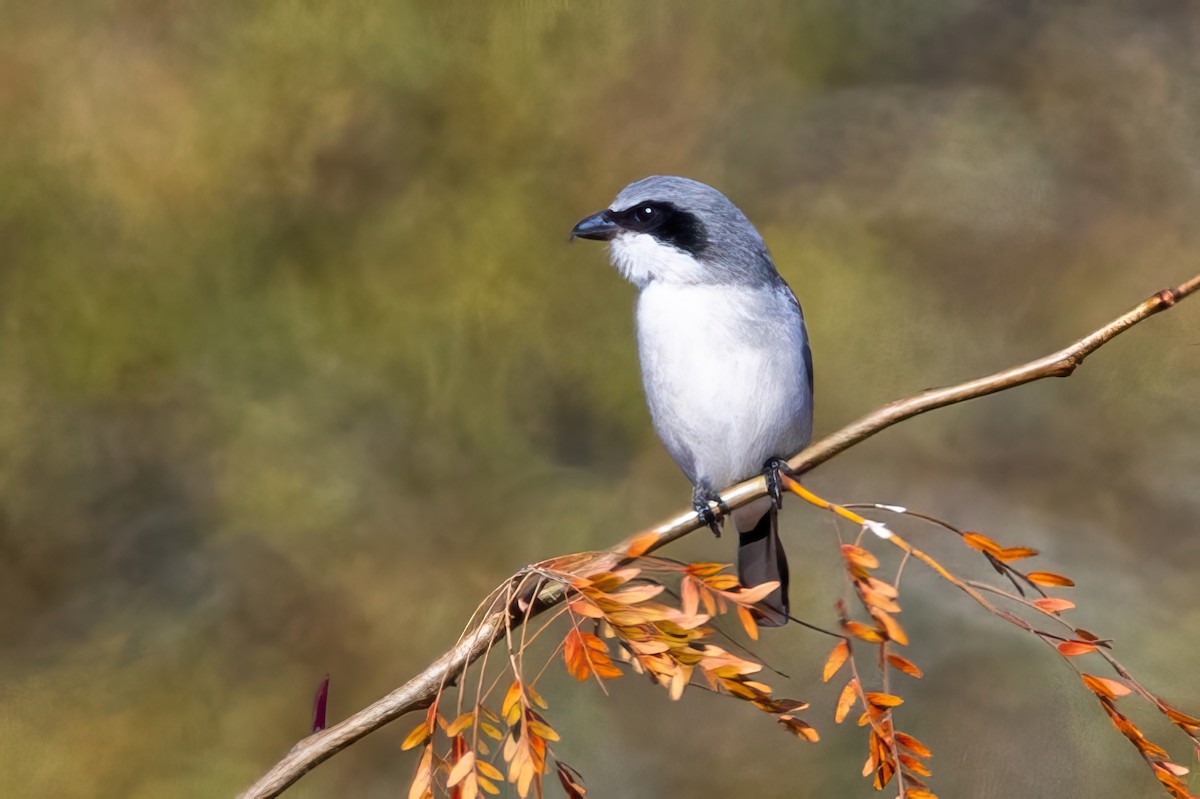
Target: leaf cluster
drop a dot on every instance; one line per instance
(655, 617)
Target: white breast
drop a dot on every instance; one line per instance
(725, 378)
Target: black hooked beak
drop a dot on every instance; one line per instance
(597, 226)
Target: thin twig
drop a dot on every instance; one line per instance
(419, 692)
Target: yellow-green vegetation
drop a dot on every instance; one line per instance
(296, 362)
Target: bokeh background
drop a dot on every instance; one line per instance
(296, 363)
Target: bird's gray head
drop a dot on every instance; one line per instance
(678, 230)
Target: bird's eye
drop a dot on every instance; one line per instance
(645, 217)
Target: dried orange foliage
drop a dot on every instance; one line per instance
(893, 754)
(1168, 773)
(835, 660)
(905, 665)
(622, 617)
(877, 597)
(520, 732)
(669, 643)
(618, 622)
(525, 742)
(586, 655)
(990, 547)
(1053, 604)
(890, 754)
(1107, 690)
(1073, 648)
(1047, 578)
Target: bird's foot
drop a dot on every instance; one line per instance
(774, 470)
(703, 499)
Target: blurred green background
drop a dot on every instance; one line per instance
(296, 363)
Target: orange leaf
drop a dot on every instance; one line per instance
(544, 730)
(884, 700)
(525, 778)
(1105, 687)
(884, 774)
(915, 765)
(585, 654)
(1053, 604)
(637, 594)
(747, 619)
(750, 596)
(982, 543)
(461, 769)
(913, 745)
(689, 595)
(1152, 750)
(877, 751)
(862, 632)
(1009, 554)
(857, 556)
(905, 665)
(1073, 648)
(1049, 578)
(799, 728)
(878, 600)
(1182, 719)
(586, 608)
(575, 656)
(705, 569)
(892, 627)
(421, 782)
(610, 581)
(722, 582)
(419, 735)
(835, 660)
(883, 589)
(846, 701)
(679, 679)
(510, 698)
(459, 724)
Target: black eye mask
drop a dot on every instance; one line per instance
(666, 223)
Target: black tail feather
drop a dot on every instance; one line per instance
(760, 560)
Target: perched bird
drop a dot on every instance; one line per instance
(724, 353)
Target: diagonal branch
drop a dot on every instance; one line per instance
(419, 692)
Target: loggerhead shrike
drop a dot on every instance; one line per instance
(725, 358)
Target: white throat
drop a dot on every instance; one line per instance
(641, 259)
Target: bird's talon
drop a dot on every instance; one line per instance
(774, 471)
(713, 520)
(702, 502)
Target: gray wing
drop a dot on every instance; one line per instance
(806, 351)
